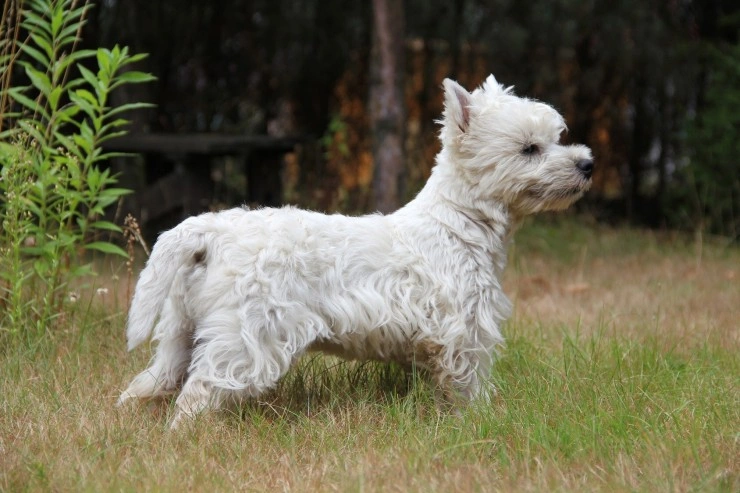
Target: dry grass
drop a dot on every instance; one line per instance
(621, 374)
(629, 282)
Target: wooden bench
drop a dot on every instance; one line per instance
(184, 185)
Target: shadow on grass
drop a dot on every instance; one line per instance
(320, 385)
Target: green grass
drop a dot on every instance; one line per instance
(629, 384)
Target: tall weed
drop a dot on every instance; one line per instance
(54, 187)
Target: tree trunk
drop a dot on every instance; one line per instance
(387, 115)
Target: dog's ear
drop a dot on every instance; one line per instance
(457, 106)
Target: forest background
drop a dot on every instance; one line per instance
(653, 87)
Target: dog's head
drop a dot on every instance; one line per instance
(508, 149)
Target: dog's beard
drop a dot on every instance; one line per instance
(553, 198)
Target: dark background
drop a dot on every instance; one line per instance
(653, 87)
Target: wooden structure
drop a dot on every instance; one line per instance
(185, 187)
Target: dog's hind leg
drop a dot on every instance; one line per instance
(197, 396)
(218, 366)
(235, 359)
(167, 369)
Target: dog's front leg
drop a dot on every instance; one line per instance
(455, 386)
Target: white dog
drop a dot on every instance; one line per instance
(241, 294)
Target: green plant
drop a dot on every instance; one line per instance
(709, 196)
(334, 140)
(53, 189)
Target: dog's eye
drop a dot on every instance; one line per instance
(531, 149)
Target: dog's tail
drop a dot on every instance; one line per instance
(173, 249)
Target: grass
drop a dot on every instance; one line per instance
(621, 373)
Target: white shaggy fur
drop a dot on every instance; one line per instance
(240, 294)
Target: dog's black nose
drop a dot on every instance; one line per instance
(586, 166)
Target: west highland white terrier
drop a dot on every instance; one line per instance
(239, 295)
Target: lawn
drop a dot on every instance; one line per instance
(621, 373)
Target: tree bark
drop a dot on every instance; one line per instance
(387, 114)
